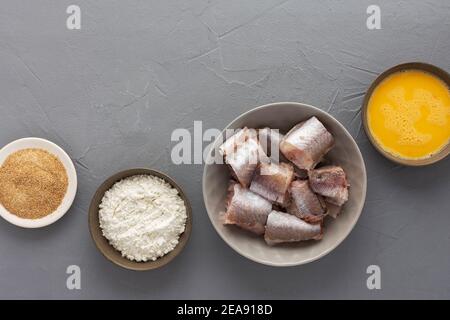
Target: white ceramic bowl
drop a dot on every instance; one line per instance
(284, 116)
(26, 143)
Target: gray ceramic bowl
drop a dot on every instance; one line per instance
(103, 244)
(283, 116)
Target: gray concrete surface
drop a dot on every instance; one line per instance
(111, 94)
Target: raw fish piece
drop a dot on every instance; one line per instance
(284, 227)
(246, 209)
(243, 153)
(330, 182)
(270, 140)
(306, 143)
(272, 181)
(333, 210)
(232, 143)
(304, 203)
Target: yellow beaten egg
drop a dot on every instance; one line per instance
(408, 114)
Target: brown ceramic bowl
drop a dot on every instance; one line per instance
(103, 244)
(439, 73)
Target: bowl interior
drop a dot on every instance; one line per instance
(67, 201)
(345, 153)
(103, 244)
(439, 73)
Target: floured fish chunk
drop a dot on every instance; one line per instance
(306, 143)
(246, 209)
(304, 203)
(284, 227)
(243, 153)
(330, 182)
(272, 181)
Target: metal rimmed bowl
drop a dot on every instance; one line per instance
(433, 70)
(283, 116)
(103, 244)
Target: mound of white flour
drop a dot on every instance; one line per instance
(142, 216)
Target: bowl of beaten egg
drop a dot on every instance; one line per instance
(406, 114)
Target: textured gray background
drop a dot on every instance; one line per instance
(111, 94)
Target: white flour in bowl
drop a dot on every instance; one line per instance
(142, 216)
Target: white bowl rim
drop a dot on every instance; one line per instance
(71, 189)
(337, 243)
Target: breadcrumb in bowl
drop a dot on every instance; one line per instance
(64, 185)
